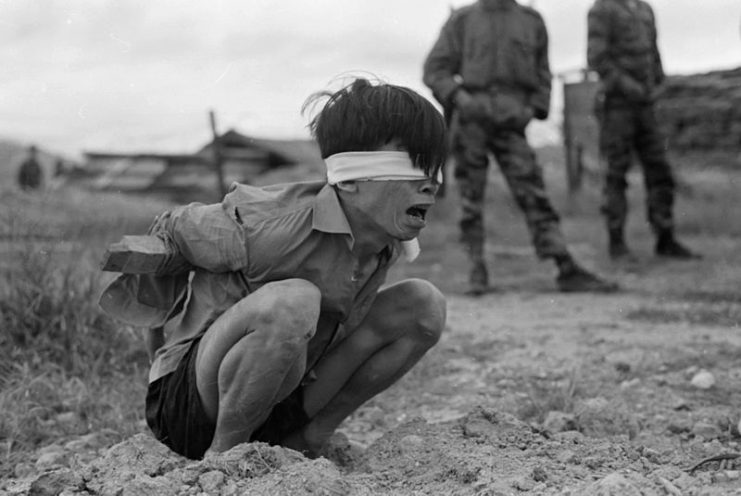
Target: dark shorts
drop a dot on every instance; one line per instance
(176, 416)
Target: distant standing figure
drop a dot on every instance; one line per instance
(29, 173)
(490, 71)
(622, 49)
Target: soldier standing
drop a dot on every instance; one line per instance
(622, 49)
(490, 71)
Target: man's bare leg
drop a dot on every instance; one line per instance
(405, 321)
(253, 356)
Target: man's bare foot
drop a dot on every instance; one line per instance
(298, 442)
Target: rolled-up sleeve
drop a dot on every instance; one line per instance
(203, 236)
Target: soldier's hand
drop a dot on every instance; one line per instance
(656, 93)
(462, 98)
(466, 104)
(633, 90)
(529, 113)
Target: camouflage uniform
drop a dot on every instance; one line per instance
(622, 49)
(497, 50)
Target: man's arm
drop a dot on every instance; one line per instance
(659, 75)
(598, 45)
(442, 66)
(192, 236)
(155, 337)
(540, 100)
(599, 34)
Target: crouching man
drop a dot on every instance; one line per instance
(268, 320)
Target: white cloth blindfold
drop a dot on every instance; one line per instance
(373, 166)
(378, 166)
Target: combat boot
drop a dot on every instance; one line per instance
(668, 246)
(618, 249)
(478, 280)
(576, 279)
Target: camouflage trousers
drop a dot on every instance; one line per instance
(625, 128)
(471, 143)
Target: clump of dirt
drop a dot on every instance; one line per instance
(487, 452)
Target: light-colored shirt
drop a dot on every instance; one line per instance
(221, 253)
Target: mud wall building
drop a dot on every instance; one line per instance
(702, 112)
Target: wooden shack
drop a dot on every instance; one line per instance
(194, 176)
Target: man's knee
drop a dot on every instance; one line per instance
(427, 309)
(287, 310)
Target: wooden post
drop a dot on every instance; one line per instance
(217, 157)
(568, 139)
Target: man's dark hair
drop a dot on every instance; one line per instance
(363, 117)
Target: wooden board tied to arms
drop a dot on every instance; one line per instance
(135, 255)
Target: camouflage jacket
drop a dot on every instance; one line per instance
(622, 48)
(492, 45)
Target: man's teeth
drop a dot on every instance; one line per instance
(417, 212)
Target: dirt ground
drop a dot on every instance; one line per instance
(604, 385)
(529, 391)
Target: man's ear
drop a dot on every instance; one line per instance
(347, 186)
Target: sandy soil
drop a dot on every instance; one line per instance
(529, 392)
(604, 386)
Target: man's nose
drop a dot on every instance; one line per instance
(430, 187)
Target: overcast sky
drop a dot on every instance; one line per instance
(141, 75)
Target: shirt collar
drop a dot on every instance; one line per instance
(330, 218)
(328, 214)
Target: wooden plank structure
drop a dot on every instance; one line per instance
(580, 127)
(217, 155)
(204, 174)
(135, 255)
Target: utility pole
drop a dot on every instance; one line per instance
(218, 157)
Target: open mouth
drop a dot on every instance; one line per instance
(418, 211)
